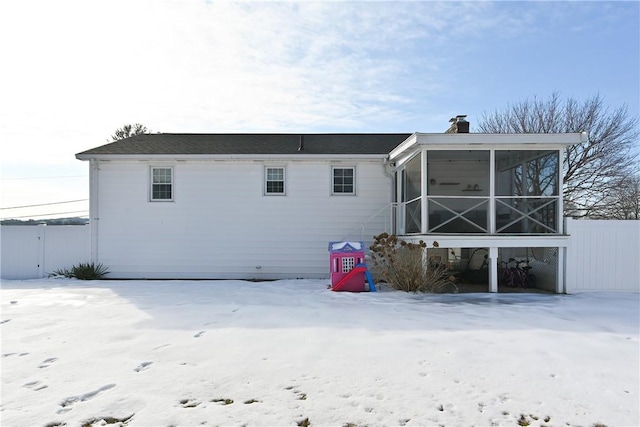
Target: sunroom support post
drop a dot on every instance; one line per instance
(560, 213)
(491, 217)
(562, 271)
(493, 269)
(399, 201)
(423, 193)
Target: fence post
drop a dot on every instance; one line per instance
(566, 265)
(42, 236)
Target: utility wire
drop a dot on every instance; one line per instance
(43, 177)
(46, 204)
(33, 216)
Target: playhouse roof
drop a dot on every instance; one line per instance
(249, 144)
(346, 246)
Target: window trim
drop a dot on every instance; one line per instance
(151, 183)
(265, 180)
(338, 193)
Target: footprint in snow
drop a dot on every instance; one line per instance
(13, 354)
(189, 403)
(35, 385)
(199, 334)
(47, 362)
(161, 346)
(143, 366)
(72, 400)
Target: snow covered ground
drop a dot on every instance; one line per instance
(287, 353)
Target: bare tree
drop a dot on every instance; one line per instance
(129, 130)
(591, 170)
(624, 201)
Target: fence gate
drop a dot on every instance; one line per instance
(22, 252)
(34, 251)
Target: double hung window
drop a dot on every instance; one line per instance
(161, 184)
(274, 181)
(344, 180)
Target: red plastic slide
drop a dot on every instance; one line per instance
(348, 284)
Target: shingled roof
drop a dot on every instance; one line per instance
(250, 144)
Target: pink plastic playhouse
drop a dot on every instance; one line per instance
(348, 270)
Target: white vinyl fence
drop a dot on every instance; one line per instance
(603, 255)
(34, 251)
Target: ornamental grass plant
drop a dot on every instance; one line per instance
(408, 266)
(83, 271)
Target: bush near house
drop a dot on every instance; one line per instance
(407, 267)
(83, 271)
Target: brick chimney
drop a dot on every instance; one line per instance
(458, 125)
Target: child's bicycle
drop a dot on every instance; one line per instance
(516, 274)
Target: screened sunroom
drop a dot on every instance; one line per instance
(492, 191)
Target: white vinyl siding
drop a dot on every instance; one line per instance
(343, 180)
(222, 225)
(274, 181)
(161, 184)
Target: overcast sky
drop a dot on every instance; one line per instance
(73, 72)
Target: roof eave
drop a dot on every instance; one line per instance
(222, 157)
(462, 140)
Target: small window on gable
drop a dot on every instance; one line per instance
(274, 180)
(344, 180)
(161, 184)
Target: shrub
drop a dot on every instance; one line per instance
(83, 271)
(408, 267)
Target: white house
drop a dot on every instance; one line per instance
(264, 206)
